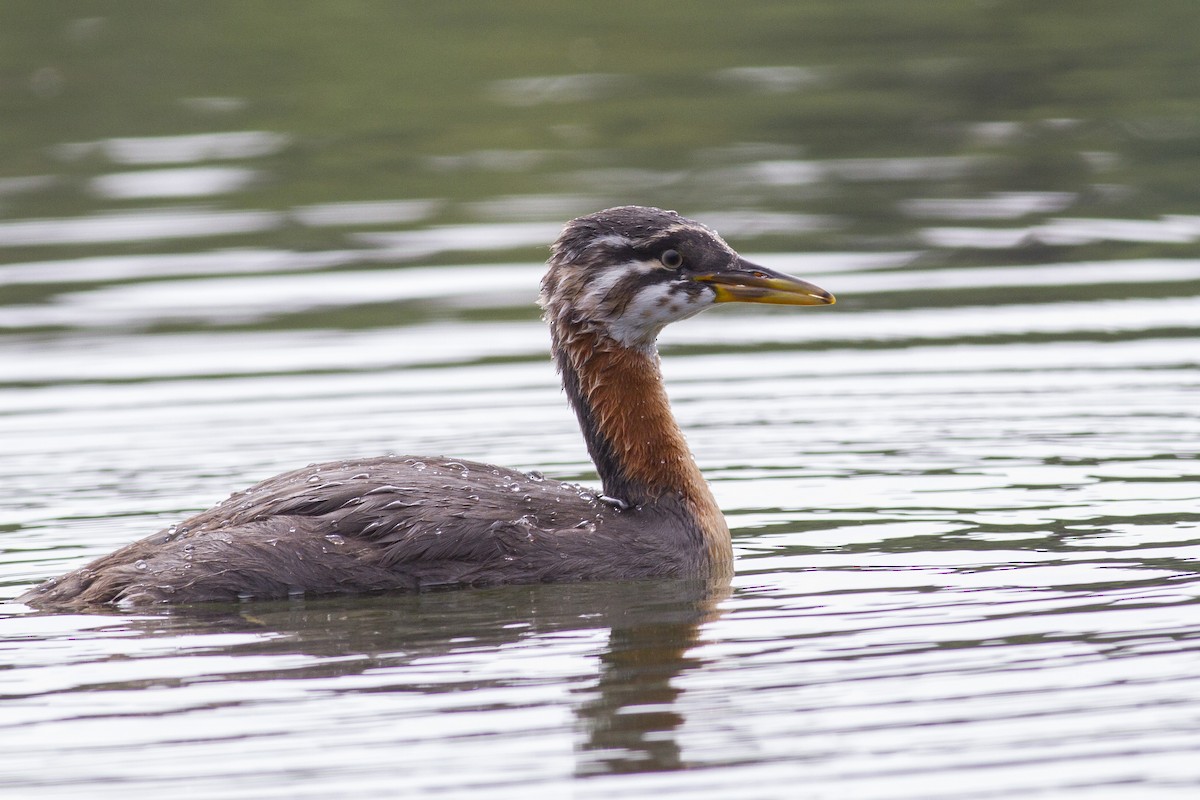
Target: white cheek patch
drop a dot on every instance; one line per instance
(651, 309)
(599, 287)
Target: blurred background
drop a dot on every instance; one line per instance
(240, 237)
(991, 131)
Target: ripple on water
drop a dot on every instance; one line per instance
(965, 543)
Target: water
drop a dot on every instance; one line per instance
(965, 501)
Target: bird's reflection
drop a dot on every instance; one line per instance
(627, 717)
(631, 718)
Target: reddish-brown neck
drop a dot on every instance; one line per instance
(638, 448)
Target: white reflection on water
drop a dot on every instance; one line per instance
(801, 173)
(1171, 229)
(28, 183)
(772, 80)
(556, 88)
(406, 245)
(179, 149)
(377, 212)
(489, 161)
(999, 205)
(526, 208)
(214, 104)
(184, 182)
(116, 357)
(136, 226)
(759, 223)
(250, 298)
(1099, 317)
(104, 269)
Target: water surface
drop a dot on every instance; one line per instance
(965, 501)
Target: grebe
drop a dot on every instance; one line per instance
(613, 280)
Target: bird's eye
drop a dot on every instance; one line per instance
(671, 259)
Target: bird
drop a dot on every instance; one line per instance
(613, 280)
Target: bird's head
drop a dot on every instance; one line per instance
(626, 272)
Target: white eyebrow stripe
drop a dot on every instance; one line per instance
(612, 239)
